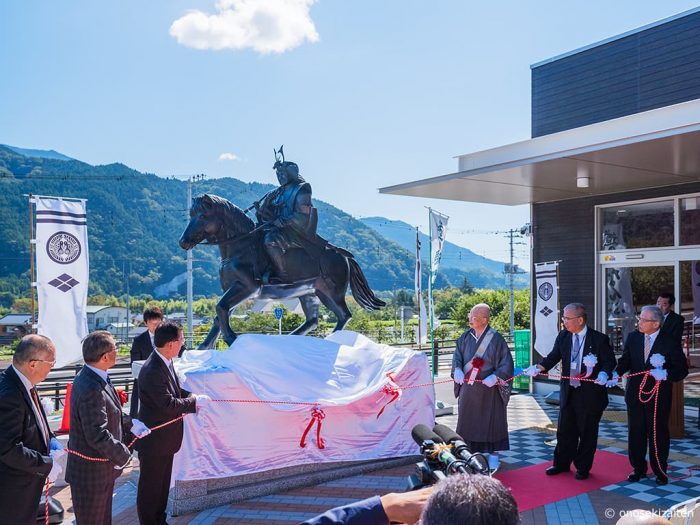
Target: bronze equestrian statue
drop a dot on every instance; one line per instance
(280, 257)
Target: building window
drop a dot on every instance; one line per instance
(635, 226)
(690, 221)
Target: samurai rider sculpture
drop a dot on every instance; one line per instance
(279, 257)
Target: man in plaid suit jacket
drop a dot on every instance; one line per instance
(98, 429)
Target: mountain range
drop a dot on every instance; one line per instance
(135, 220)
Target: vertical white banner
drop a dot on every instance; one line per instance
(546, 307)
(618, 285)
(438, 230)
(62, 272)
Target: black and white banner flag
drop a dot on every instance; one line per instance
(547, 306)
(62, 271)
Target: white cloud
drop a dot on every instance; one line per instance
(229, 156)
(267, 26)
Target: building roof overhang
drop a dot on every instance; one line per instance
(655, 148)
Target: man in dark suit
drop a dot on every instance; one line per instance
(672, 323)
(98, 429)
(637, 356)
(26, 441)
(581, 403)
(162, 400)
(142, 347)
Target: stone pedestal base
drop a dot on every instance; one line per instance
(193, 496)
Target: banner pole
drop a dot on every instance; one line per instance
(32, 278)
(430, 296)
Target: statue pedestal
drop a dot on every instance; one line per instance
(193, 496)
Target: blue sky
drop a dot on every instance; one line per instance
(363, 94)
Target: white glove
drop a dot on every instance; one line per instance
(659, 374)
(122, 467)
(47, 405)
(139, 429)
(55, 472)
(602, 379)
(531, 371)
(657, 360)
(459, 376)
(203, 400)
(490, 381)
(613, 381)
(56, 449)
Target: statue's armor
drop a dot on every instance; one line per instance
(281, 206)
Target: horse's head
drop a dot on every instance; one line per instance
(214, 219)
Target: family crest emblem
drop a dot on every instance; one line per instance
(63, 248)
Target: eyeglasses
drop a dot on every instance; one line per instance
(565, 318)
(45, 361)
(642, 320)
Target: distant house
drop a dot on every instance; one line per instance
(120, 331)
(13, 326)
(181, 317)
(100, 316)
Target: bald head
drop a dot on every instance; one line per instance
(34, 357)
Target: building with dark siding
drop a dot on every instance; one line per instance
(612, 174)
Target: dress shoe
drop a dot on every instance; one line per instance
(553, 471)
(581, 475)
(661, 481)
(635, 477)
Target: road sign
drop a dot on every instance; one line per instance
(279, 312)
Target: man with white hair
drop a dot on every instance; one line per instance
(481, 361)
(649, 348)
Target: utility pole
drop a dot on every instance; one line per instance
(190, 181)
(511, 269)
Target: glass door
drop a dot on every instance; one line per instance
(627, 289)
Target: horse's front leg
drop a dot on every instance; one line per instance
(240, 291)
(210, 339)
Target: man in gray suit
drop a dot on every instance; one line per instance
(98, 429)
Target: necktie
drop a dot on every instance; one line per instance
(174, 374)
(40, 416)
(574, 359)
(647, 347)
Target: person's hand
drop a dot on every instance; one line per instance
(490, 381)
(139, 429)
(56, 470)
(613, 380)
(405, 507)
(602, 378)
(203, 400)
(459, 376)
(659, 374)
(56, 449)
(532, 370)
(122, 467)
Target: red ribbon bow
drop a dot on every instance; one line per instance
(317, 415)
(392, 389)
(477, 362)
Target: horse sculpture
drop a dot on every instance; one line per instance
(314, 279)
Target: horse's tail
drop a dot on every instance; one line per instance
(361, 291)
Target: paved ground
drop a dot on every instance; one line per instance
(532, 423)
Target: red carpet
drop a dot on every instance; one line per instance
(533, 488)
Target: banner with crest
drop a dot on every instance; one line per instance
(62, 271)
(546, 307)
